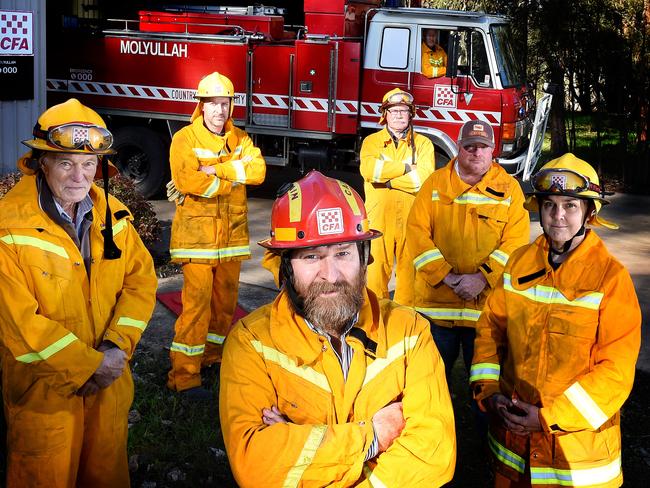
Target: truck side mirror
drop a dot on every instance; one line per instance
(452, 55)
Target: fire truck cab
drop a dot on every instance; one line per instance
(308, 94)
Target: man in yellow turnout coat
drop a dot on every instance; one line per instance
(464, 224)
(78, 288)
(329, 386)
(394, 163)
(212, 161)
(434, 57)
(557, 343)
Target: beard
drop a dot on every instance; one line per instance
(332, 314)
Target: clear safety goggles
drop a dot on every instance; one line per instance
(76, 135)
(400, 97)
(561, 181)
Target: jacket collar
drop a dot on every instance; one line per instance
(494, 184)
(575, 276)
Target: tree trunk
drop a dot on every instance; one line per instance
(558, 113)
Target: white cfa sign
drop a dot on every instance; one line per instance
(16, 33)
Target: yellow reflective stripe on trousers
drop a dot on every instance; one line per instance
(372, 478)
(450, 313)
(426, 257)
(289, 365)
(227, 252)
(48, 351)
(500, 257)
(484, 371)
(547, 294)
(128, 321)
(576, 477)
(239, 171)
(306, 456)
(216, 338)
(394, 353)
(187, 350)
(505, 455)
(585, 405)
(35, 242)
(212, 189)
(434, 196)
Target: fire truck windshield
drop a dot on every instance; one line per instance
(510, 66)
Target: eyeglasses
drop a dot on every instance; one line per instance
(561, 181)
(77, 135)
(398, 111)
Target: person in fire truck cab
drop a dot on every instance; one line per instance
(394, 163)
(557, 343)
(329, 385)
(434, 57)
(465, 222)
(78, 288)
(211, 162)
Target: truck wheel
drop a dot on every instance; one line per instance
(142, 157)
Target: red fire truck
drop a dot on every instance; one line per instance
(307, 94)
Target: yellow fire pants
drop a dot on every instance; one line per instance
(209, 300)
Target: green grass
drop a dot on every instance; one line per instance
(175, 442)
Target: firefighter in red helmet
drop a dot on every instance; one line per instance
(211, 161)
(394, 163)
(329, 376)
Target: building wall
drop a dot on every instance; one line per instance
(17, 118)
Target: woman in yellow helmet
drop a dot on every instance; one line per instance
(557, 343)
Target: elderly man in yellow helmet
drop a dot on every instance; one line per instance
(78, 287)
(557, 343)
(212, 161)
(394, 163)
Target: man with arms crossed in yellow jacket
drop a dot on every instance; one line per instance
(395, 161)
(328, 385)
(212, 161)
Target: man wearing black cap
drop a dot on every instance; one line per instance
(464, 224)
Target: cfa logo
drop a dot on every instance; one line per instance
(14, 44)
(16, 33)
(444, 97)
(330, 221)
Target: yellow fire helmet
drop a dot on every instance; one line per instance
(569, 176)
(69, 127)
(394, 97)
(213, 85)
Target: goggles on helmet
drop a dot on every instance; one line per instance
(557, 180)
(77, 135)
(401, 97)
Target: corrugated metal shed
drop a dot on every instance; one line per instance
(17, 118)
